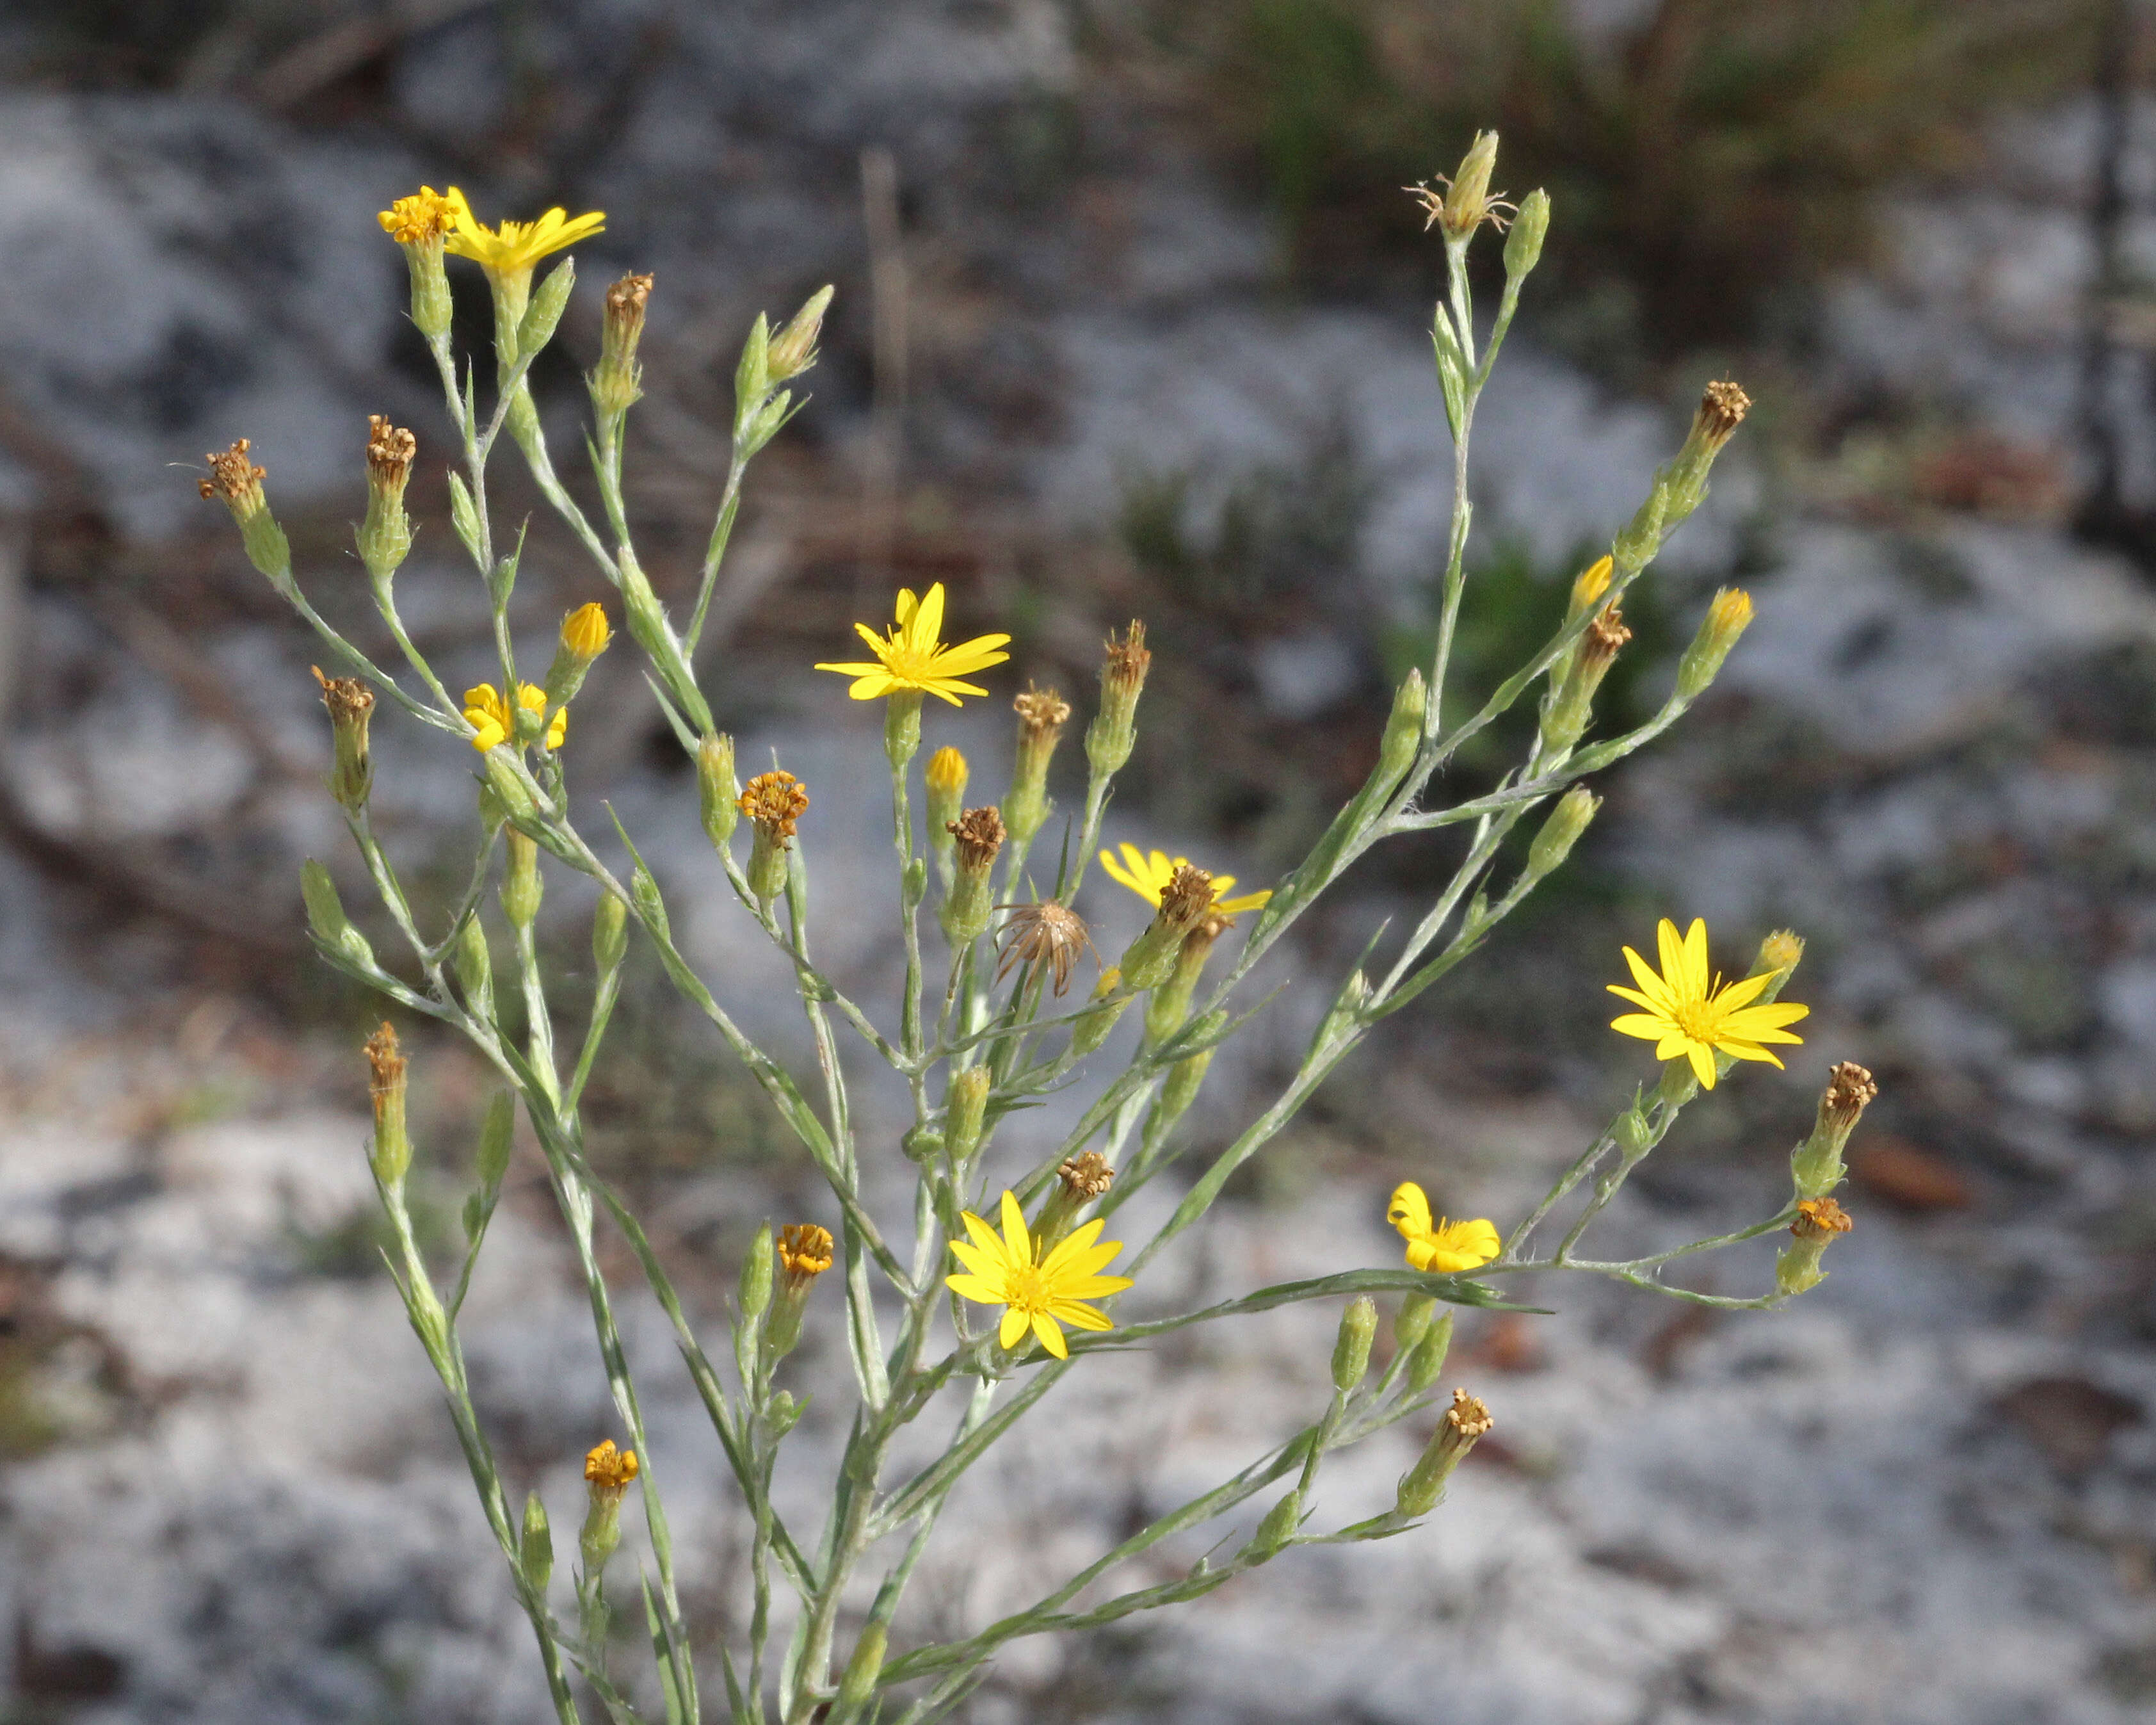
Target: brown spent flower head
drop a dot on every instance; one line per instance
(1604, 635)
(1086, 1176)
(1468, 1416)
(608, 1470)
(1819, 1219)
(390, 449)
(1042, 713)
(348, 699)
(385, 1064)
(775, 801)
(625, 303)
(804, 1252)
(1127, 662)
(979, 833)
(1042, 933)
(237, 480)
(1850, 1090)
(1722, 410)
(1186, 898)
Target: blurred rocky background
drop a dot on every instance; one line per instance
(1131, 321)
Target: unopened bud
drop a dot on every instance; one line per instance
(1780, 952)
(792, 350)
(543, 316)
(536, 1547)
(1351, 1348)
(756, 1276)
(1523, 245)
(521, 890)
(1180, 1088)
(1726, 621)
(350, 705)
(1816, 1167)
(1818, 1222)
(1279, 1526)
(1560, 832)
(858, 1684)
(1113, 732)
(1642, 537)
(1111, 998)
(391, 1152)
(326, 916)
(1413, 1322)
(965, 1110)
(497, 1137)
(1465, 1422)
(1345, 1014)
(585, 635)
(1427, 1362)
(717, 792)
(609, 933)
(474, 965)
(617, 382)
(1403, 738)
(1169, 1004)
(945, 780)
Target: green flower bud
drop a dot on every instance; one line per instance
(1169, 1004)
(965, 1109)
(536, 1546)
(1561, 831)
(1642, 537)
(650, 907)
(718, 794)
(755, 1272)
(1088, 1032)
(858, 1683)
(792, 350)
(1279, 1526)
(1428, 1360)
(474, 965)
(752, 374)
(326, 916)
(464, 518)
(1725, 623)
(521, 889)
(609, 933)
(543, 316)
(1413, 1322)
(496, 1137)
(1180, 1089)
(1403, 737)
(1351, 1348)
(1523, 245)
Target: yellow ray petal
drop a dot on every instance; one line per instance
(1702, 1063)
(1014, 1326)
(973, 1288)
(1658, 990)
(1050, 1335)
(1081, 1317)
(1016, 1240)
(1695, 977)
(1647, 1027)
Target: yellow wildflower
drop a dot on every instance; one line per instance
(1148, 873)
(425, 215)
(1449, 1247)
(486, 711)
(512, 248)
(1042, 1295)
(609, 1469)
(913, 656)
(1690, 1013)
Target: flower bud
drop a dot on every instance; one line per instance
(385, 536)
(609, 933)
(420, 224)
(536, 1546)
(543, 316)
(1780, 951)
(1428, 1359)
(1726, 621)
(858, 1684)
(1636, 547)
(1562, 831)
(326, 916)
(617, 382)
(1109, 994)
(1351, 1348)
(350, 705)
(1465, 1422)
(585, 635)
(752, 376)
(391, 1155)
(774, 802)
(792, 350)
(946, 779)
(497, 1137)
(237, 482)
(1412, 1322)
(756, 1274)
(1344, 1014)
(521, 890)
(1588, 589)
(1169, 1004)
(1042, 714)
(1113, 732)
(717, 793)
(1466, 204)
(1816, 1167)
(965, 1109)
(1819, 1221)
(464, 518)
(1403, 736)
(1278, 1528)
(1523, 245)
(1180, 1089)
(474, 964)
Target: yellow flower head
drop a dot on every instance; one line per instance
(1450, 1247)
(1147, 874)
(948, 773)
(1040, 1297)
(1692, 1013)
(586, 632)
(425, 215)
(913, 657)
(609, 1469)
(490, 715)
(512, 248)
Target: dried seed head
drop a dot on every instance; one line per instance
(1819, 1219)
(609, 1470)
(349, 700)
(1722, 410)
(1123, 673)
(390, 449)
(385, 1066)
(1042, 933)
(1087, 1177)
(979, 834)
(1604, 635)
(1042, 712)
(1468, 1416)
(1186, 898)
(237, 481)
(805, 1253)
(1850, 1090)
(775, 801)
(625, 303)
